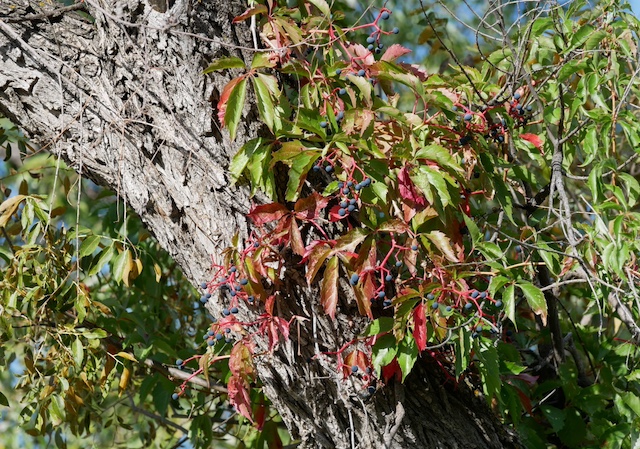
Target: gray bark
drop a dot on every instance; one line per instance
(123, 100)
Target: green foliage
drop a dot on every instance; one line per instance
(93, 315)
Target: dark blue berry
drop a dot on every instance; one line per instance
(448, 308)
(354, 279)
(509, 333)
(244, 281)
(386, 303)
(340, 115)
(361, 72)
(351, 208)
(343, 204)
(210, 333)
(238, 288)
(479, 329)
(328, 169)
(323, 124)
(228, 330)
(468, 117)
(342, 91)
(233, 293)
(529, 108)
(483, 295)
(179, 362)
(384, 15)
(211, 342)
(250, 299)
(353, 201)
(431, 296)
(232, 270)
(498, 304)
(395, 30)
(468, 306)
(234, 310)
(388, 278)
(380, 45)
(354, 369)
(316, 168)
(381, 295)
(371, 40)
(207, 295)
(414, 247)
(371, 389)
(203, 285)
(516, 96)
(342, 212)
(345, 190)
(435, 305)
(474, 294)
(399, 263)
(349, 183)
(175, 396)
(203, 299)
(370, 47)
(338, 72)
(219, 337)
(226, 312)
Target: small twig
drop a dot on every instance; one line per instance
(45, 15)
(182, 375)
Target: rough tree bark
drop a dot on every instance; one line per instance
(122, 98)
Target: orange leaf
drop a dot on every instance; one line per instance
(329, 287)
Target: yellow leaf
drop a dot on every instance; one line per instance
(158, 271)
(126, 355)
(8, 208)
(124, 380)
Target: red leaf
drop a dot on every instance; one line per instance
(420, 327)
(329, 287)
(309, 208)
(258, 9)
(222, 102)
(333, 214)
(267, 213)
(240, 362)
(316, 257)
(391, 370)
(394, 52)
(260, 414)
(296, 238)
(355, 358)
(534, 139)
(238, 391)
(408, 190)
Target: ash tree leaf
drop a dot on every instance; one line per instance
(78, 352)
(105, 256)
(231, 62)
(89, 245)
(535, 298)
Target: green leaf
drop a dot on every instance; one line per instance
(463, 351)
(323, 6)
(105, 257)
(298, 173)
(78, 352)
(89, 245)
(119, 264)
(379, 326)
(554, 416)
(384, 351)
(509, 303)
(473, 229)
(242, 157)
(535, 298)
(407, 355)
(264, 102)
(235, 103)
(490, 369)
(230, 62)
(3, 400)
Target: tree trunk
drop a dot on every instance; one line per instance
(122, 98)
